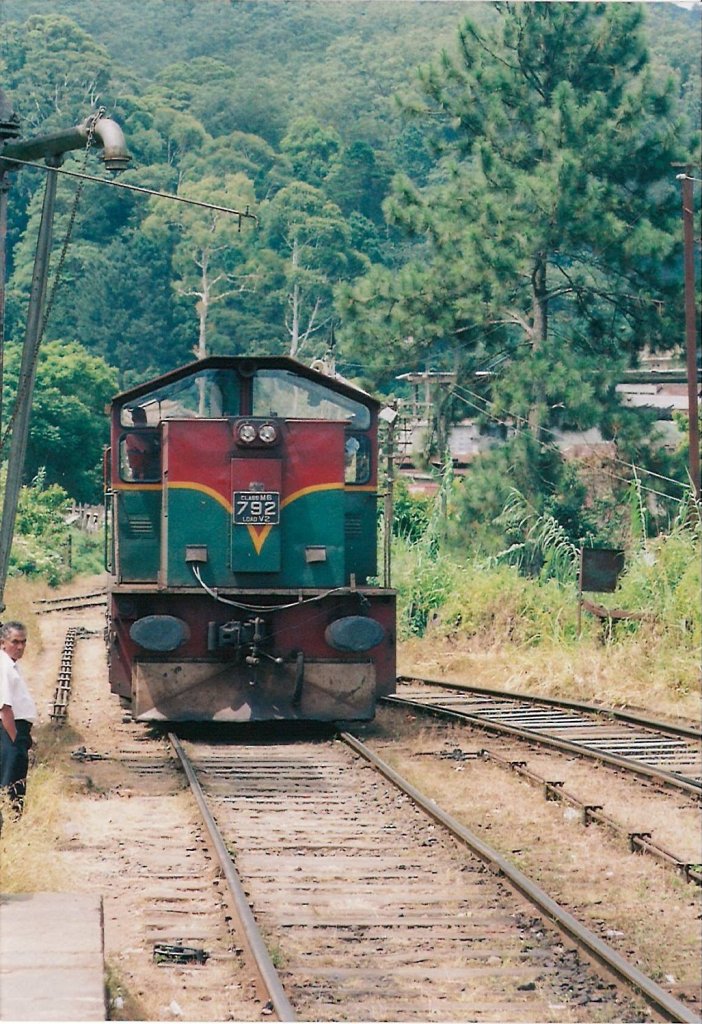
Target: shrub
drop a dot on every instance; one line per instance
(88, 553)
(411, 514)
(423, 580)
(663, 578)
(499, 605)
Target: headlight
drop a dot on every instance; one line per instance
(247, 433)
(268, 433)
(256, 433)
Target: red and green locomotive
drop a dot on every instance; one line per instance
(243, 553)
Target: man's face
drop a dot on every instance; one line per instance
(15, 644)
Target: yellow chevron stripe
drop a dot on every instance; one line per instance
(309, 490)
(258, 536)
(204, 489)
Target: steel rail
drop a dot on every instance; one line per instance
(639, 841)
(251, 933)
(74, 606)
(663, 1002)
(671, 779)
(562, 702)
(71, 597)
(64, 679)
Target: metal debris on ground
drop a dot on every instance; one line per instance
(83, 754)
(165, 953)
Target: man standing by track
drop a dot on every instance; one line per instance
(17, 713)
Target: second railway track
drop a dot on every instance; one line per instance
(669, 754)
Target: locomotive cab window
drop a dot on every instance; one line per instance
(285, 395)
(357, 459)
(140, 456)
(209, 394)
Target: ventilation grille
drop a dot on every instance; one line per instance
(141, 526)
(353, 526)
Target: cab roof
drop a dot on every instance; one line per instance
(247, 366)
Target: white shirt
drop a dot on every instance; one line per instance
(14, 691)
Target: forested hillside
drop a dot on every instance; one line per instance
(495, 195)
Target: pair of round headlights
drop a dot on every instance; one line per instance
(256, 433)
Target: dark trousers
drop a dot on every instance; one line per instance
(14, 762)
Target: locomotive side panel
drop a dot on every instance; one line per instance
(138, 533)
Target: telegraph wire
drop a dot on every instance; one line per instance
(552, 446)
(548, 430)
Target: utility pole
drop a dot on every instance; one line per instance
(388, 415)
(9, 129)
(95, 131)
(686, 182)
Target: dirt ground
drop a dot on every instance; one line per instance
(131, 835)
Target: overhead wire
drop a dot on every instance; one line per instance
(622, 462)
(551, 445)
(46, 313)
(8, 164)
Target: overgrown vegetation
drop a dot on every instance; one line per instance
(46, 546)
(28, 844)
(525, 598)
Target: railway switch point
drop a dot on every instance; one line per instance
(51, 957)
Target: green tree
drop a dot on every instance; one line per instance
(176, 132)
(42, 541)
(68, 429)
(311, 148)
(306, 250)
(357, 182)
(547, 235)
(56, 71)
(207, 248)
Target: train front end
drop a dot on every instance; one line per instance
(243, 547)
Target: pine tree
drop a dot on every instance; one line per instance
(548, 233)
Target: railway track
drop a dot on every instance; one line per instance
(378, 906)
(368, 911)
(669, 754)
(71, 602)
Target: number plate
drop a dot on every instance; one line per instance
(256, 508)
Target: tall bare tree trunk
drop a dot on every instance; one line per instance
(202, 310)
(539, 316)
(295, 299)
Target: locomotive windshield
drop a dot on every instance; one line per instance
(212, 393)
(283, 394)
(204, 395)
